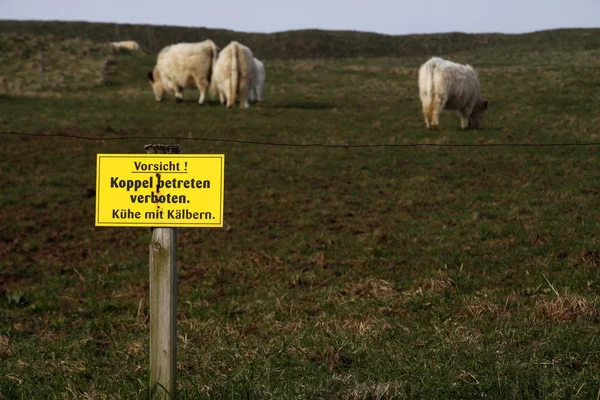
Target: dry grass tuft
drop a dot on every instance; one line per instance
(135, 349)
(567, 308)
(4, 346)
(265, 262)
(336, 358)
(440, 284)
(370, 288)
(354, 390)
(437, 285)
(484, 309)
(586, 257)
(359, 327)
(456, 335)
(91, 393)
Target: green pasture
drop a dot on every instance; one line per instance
(394, 262)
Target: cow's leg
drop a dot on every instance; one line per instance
(464, 117)
(244, 100)
(228, 102)
(435, 109)
(178, 92)
(202, 85)
(227, 94)
(464, 121)
(426, 114)
(434, 115)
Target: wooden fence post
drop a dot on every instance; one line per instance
(163, 303)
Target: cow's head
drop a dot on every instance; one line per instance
(157, 86)
(477, 114)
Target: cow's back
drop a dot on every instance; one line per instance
(235, 72)
(454, 82)
(459, 82)
(183, 62)
(243, 55)
(247, 67)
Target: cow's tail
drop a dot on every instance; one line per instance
(429, 73)
(214, 54)
(234, 81)
(427, 91)
(212, 90)
(212, 87)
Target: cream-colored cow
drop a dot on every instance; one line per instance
(181, 66)
(259, 82)
(126, 45)
(445, 85)
(235, 74)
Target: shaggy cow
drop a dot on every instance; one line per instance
(259, 84)
(183, 65)
(445, 85)
(235, 74)
(126, 45)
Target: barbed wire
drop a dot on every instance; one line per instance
(283, 144)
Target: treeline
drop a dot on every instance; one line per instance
(307, 44)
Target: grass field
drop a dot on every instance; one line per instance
(465, 267)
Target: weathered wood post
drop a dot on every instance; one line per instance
(163, 303)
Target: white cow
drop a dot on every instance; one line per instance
(126, 45)
(235, 74)
(259, 84)
(445, 85)
(181, 66)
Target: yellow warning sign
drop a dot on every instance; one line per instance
(160, 190)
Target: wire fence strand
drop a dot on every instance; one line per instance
(283, 144)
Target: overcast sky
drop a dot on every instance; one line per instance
(395, 17)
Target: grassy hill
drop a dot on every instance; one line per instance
(308, 44)
(363, 256)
